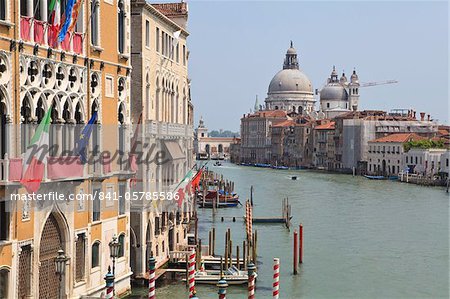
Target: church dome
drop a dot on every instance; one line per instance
(333, 92)
(290, 80)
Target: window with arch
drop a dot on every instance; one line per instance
(121, 25)
(4, 283)
(80, 257)
(95, 254)
(4, 220)
(122, 245)
(3, 9)
(95, 22)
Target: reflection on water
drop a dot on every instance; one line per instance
(362, 238)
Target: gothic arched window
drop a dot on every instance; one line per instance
(95, 22)
(121, 29)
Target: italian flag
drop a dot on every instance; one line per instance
(33, 168)
(54, 9)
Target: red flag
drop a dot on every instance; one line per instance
(196, 179)
(181, 194)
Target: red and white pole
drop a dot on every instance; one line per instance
(276, 278)
(251, 280)
(151, 279)
(109, 278)
(191, 274)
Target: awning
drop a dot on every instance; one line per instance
(174, 149)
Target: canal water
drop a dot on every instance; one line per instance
(362, 238)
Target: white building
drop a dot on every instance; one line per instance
(425, 162)
(339, 96)
(290, 89)
(445, 157)
(386, 153)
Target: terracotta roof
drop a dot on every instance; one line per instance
(286, 123)
(443, 133)
(326, 126)
(171, 9)
(268, 113)
(400, 138)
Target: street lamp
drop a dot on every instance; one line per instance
(114, 248)
(60, 265)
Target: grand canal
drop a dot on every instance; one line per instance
(362, 238)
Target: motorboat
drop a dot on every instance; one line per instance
(233, 276)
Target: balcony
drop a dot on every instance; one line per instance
(158, 129)
(42, 33)
(57, 169)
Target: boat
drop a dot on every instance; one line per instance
(280, 167)
(293, 178)
(212, 195)
(217, 163)
(233, 276)
(375, 177)
(393, 177)
(222, 204)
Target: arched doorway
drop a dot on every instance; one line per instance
(220, 148)
(51, 242)
(171, 232)
(148, 245)
(207, 149)
(384, 167)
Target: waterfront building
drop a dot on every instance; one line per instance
(86, 73)
(386, 153)
(323, 153)
(255, 135)
(161, 99)
(339, 95)
(291, 144)
(207, 147)
(445, 165)
(235, 150)
(290, 89)
(426, 162)
(356, 128)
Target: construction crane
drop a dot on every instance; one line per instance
(368, 84)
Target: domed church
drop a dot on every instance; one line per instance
(290, 89)
(339, 96)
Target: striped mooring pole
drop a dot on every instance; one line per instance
(222, 284)
(192, 274)
(151, 278)
(276, 278)
(251, 280)
(194, 296)
(109, 278)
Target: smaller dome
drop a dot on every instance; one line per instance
(333, 92)
(291, 51)
(354, 78)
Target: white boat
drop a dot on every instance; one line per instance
(233, 276)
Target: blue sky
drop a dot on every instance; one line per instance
(237, 47)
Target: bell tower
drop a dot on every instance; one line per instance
(202, 131)
(353, 91)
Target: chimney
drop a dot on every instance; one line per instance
(422, 116)
(428, 117)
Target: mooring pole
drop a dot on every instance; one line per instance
(151, 278)
(300, 250)
(213, 241)
(251, 281)
(276, 278)
(222, 284)
(295, 252)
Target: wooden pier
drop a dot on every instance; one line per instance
(285, 215)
